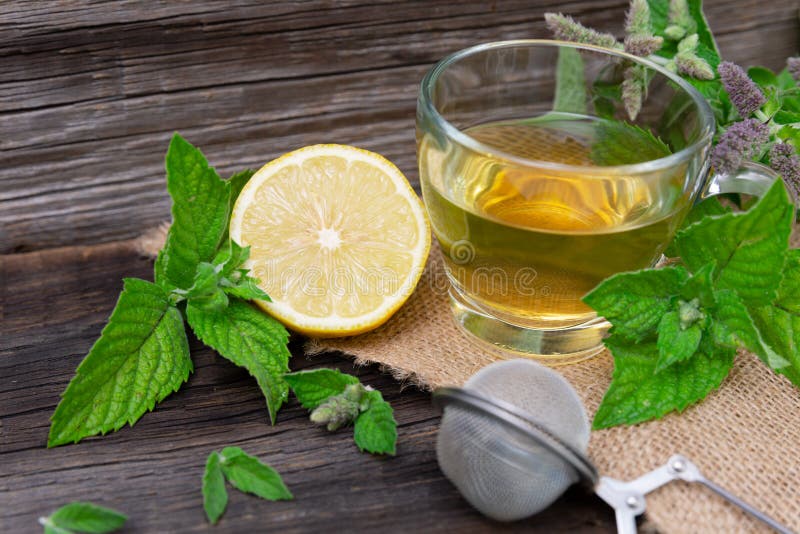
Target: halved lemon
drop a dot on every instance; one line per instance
(337, 237)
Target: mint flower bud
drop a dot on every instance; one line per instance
(690, 64)
(566, 28)
(793, 64)
(637, 21)
(643, 45)
(689, 44)
(674, 32)
(340, 410)
(633, 88)
(680, 20)
(741, 141)
(785, 161)
(744, 93)
(689, 313)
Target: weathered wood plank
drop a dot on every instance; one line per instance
(89, 96)
(55, 304)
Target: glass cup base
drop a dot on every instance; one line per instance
(552, 346)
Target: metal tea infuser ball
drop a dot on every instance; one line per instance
(515, 437)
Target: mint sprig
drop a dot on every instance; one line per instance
(250, 339)
(337, 399)
(83, 517)
(141, 357)
(143, 354)
(200, 212)
(675, 330)
(245, 473)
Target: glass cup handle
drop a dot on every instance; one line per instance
(749, 179)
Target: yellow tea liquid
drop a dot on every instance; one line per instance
(527, 243)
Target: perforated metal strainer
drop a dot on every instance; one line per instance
(515, 437)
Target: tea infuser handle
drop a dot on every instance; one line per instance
(685, 470)
(626, 502)
(749, 179)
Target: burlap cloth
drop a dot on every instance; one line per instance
(745, 436)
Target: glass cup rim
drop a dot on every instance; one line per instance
(676, 158)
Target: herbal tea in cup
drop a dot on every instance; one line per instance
(540, 184)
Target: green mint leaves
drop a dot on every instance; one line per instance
(250, 339)
(676, 330)
(141, 357)
(143, 354)
(200, 211)
(337, 399)
(245, 473)
(83, 517)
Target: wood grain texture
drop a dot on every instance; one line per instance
(91, 92)
(55, 304)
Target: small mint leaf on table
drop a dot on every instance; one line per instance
(635, 302)
(376, 428)
(250, 339)
(200, 210)
(748, 247)
(248, 474)
(215, 496)
(83, 517)
(314, 387)
(676, 342)
(637, 393)
(141, 357)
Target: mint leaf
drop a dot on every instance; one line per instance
(238, 181)
(620, 143)
(84, 517)
(748, 247)
(699, 286)
(375, 428)
(205, 281)
(231, 256)
(779, 324)
(789, 288)
(141, 357)
(780, 329)
(707, 208)
(635, 302)
(570, 94)
(215, 496)
(734, 327)
(245, 288)
(250, 339)
(314, 387)
(200, 209)
(675, 343)
(247, 473)
(638, 394)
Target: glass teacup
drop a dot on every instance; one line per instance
(540, 183)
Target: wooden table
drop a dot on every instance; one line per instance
(89, 96)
